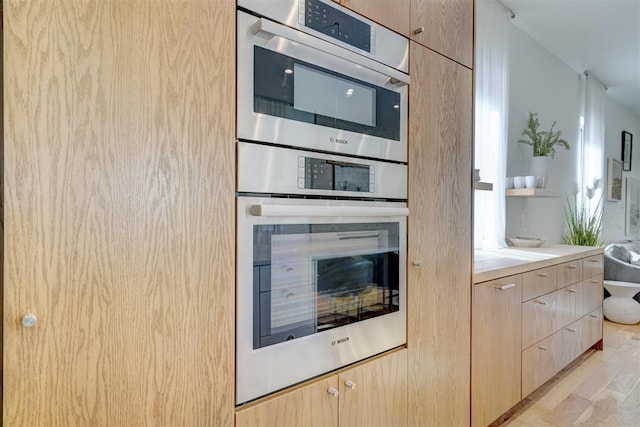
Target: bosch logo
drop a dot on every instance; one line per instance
(340, 341)
(338, 140)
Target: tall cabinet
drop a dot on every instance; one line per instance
(118, 212)
(439, 239)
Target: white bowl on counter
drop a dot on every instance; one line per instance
(525, 242)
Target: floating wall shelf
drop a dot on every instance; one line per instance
(531, 192)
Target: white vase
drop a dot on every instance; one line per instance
(540, 169)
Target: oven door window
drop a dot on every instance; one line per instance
(289, 88)
(308, 278)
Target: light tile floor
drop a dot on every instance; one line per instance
(602, 388)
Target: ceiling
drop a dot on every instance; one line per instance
(601, 37)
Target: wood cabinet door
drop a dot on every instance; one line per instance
(118, 212)
(375, 393)
(439, 236)
(393, 14)
(445, 26)
(592, 294)
(591, 328)
(308, 406)
(592, 266)
(539, 282)
(539, 363)
(571, 344)
(541, 317)
(569, 273)
(495, 346)
(570, 303)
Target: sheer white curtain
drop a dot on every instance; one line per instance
(491, 117)
(593, 143)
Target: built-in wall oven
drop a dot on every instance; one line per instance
(315, 75)
(321, 283)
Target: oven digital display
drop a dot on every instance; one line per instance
(321, 174)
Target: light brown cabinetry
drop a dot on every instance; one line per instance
(118, 212)
(309, 405)
(445, 26)
(560, 325)
(392, 14)
(439, 236)
(561, 318)
(496, 375)
(371, 393)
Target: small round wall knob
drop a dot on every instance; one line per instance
(29, 320)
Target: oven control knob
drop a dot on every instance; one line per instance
(350, 384)
(332, 391)
(417, 263)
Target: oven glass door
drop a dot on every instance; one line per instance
(310, 278)
(286, 87)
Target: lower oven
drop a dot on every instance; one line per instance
(320, 283)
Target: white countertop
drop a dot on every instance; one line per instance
(491, 264)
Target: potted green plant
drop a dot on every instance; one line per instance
(584, 222)
(543, 144)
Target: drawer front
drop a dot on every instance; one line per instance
(541, 317)
(570, 344)
(569, 273)
(591, 329)
(592, 266)
(538, 364)
(592, 293)
(570, 303)
(538, 282)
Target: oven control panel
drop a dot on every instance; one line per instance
(325, 174)
(334, 23)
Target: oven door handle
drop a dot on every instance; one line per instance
(268, 28)
(333, 211)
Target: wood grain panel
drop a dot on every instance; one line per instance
(379, 393)
(570, 303)
(393, 14)
(539, 282)
(592, 294)
(119, 179)
(541, 317)
(309, 405)
(439, 292)
(569, 273)
(591, 328)
(571, 344)
(592, 266)
(539, 363)
(496, 349)
(447, 27)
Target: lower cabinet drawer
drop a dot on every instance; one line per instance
(592, 293)
(541, 317)
(591, 329)
(539, 363)
(570, 344)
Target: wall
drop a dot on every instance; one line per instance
(541, 83)
(617, 119)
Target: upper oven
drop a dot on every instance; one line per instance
(324, 85)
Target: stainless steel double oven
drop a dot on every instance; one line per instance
(322, 185)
